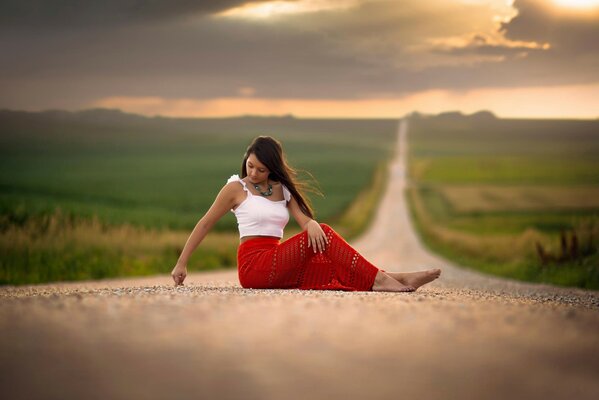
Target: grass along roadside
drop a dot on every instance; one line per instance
(510, 255)
(61, 247)
(511, 197)
(498, 198)
(360, 213)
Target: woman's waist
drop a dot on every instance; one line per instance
(251, 244)
(255, 239)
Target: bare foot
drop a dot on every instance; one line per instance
(386, 283)
(416, 279)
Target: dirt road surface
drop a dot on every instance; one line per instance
(466, 335)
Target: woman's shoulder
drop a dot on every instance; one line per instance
(233, 178)
(286, 192)
(235, 184)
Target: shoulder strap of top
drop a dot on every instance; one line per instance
(286, 193)
(235, 178)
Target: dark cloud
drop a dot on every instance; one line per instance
(41, 14)
(361, 52)
(567, 32)
(480, 45)
(210, 59)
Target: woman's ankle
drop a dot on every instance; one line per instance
(386, 283)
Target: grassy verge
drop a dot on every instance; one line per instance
(507, 197)
(360, 213)
(62, 247)
(508, 255)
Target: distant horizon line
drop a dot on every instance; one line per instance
(291, 115)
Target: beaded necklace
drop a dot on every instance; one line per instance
(265, 194)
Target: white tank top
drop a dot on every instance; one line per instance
(258, 216)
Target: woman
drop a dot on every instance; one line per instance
(317, 258)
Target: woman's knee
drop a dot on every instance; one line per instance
(326, 227)
(330, 232)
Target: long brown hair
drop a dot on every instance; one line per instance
(269, 152)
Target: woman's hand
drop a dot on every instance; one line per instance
(179, 273)
(316, 236)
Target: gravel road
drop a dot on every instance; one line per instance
(466, 335)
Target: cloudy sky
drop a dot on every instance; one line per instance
(348, 58)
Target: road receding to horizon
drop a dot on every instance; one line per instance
(466, 335)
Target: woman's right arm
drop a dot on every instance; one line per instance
(225, 200)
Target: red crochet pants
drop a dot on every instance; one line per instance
(266, 263)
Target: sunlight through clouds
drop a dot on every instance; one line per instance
(270, 9)
(577, 3)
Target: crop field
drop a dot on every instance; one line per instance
(122, 192)
(520, 198)
(517, 198)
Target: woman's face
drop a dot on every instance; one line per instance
(257, 172)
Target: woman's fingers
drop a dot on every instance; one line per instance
(314, 245)
(179, 279)
(318, 241)
(318, 244)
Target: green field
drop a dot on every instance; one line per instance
(486, 192)
(101, 193)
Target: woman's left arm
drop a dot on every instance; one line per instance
(316, 236)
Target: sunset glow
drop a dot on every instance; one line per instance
(270, 9)
(552, 102)
(577, 3)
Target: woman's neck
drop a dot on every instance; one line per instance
(261, 183)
